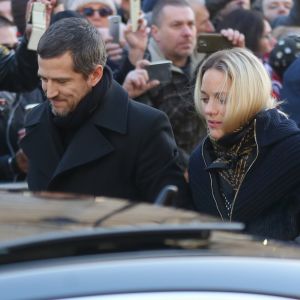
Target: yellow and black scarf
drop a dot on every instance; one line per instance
(234, 154)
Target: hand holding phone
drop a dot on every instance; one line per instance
(160, 70)
(212, 42)
(114, 28)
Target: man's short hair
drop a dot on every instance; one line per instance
(77, 36)
(159, 6)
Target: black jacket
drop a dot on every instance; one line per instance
(18, 71)
(126, 149)
(268, 200)
(12, 117)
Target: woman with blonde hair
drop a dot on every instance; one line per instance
(247, 168)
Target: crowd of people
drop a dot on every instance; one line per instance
(81, 114)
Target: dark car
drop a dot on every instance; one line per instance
(68, 247)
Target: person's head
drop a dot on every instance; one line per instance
(174, 30)
(235, 4)
(203, 22)
(96, 11)
(258, 37)
(220, 8)
(232, 86)
(285, 52)
(267, 41)
(71, 57)
(8, 33)
(275, 8)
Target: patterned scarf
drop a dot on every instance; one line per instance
(234, 154)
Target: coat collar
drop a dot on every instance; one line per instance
(111, 115)
(274, 126)
(114, 110)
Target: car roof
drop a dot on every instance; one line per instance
(37, 221)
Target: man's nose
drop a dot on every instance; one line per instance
(187, 30)
(51, 90)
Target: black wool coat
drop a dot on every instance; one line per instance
(125, 149)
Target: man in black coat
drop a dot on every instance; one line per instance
(89, 138)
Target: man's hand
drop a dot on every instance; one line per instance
(236, 38)
(137, 81)
(114, 50)
(137, 41)
(22, 161)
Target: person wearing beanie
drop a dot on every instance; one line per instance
(284, 53)
(95, 11)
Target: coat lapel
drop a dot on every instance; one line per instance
(89, 144)
(46, 153)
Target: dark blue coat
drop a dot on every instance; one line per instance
(268, 200)
(290, 93)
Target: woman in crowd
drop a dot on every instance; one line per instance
(247, 168)
(258, 38)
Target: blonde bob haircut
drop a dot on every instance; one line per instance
(250, 86)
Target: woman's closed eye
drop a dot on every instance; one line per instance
(204, 99)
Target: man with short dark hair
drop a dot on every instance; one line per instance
(89, 138)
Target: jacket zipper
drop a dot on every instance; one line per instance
(211, 182)
(257, 151)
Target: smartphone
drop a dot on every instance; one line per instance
(212, 42)
(38, 20)
(114, 28)
(160, 70)
(135, 8)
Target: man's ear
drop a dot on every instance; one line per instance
(155, 33)
(96, 75)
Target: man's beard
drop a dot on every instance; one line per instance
(58, 113)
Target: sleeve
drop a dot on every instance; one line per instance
(18, 71)
(158, 163)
